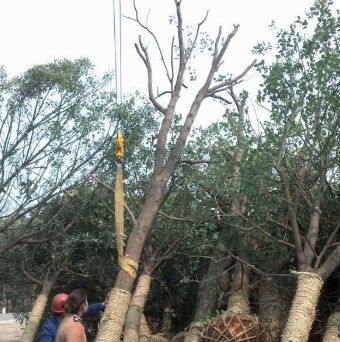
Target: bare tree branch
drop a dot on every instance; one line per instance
(163, 93)
(276, 239)
(29, 277)
(256, 270)
(175, 218)
(147, 63)
(25, 240)
(189, 52)
(153, 36)
(194, 161)
(213, 95)
(325, 248)
(232, 81)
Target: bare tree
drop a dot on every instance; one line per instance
(164, 163)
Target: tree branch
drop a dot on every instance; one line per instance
(325, 248)
(153, 36)
(112, 190)
(232, 81)
(175, 218)
(147, 63)
(194, 161)
(214, 96)
(64, 230)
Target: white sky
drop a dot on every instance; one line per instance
(38, 31)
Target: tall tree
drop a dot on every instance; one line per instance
(57, 122)
(301, 87)
(165, 161)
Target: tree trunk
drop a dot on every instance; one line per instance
(36, 314)
(205, 303)
(113, 319)
(239, 298)
(270, 305)
(302, 312)
(136, 307)
(207, 295)
(332, 333)
(144, 328)
(167, 318)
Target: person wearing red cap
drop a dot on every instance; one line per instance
(50, 327)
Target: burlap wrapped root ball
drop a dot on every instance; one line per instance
(231, 327)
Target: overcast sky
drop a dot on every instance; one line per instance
(39, 31)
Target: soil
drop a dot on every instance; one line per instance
(10, 332)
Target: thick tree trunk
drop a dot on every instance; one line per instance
(205, 303)
(239, 299)
(207, 294)
(112, 322)
(144, 328)
(302, 312)
(332, 333)
(136, 307)
(271, 308)
(113, 319)
(36, 314)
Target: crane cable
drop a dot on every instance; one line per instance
(117, 41)
(124, 261)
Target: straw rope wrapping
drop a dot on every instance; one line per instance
(127, 264)
(34, 320)
(119, 210)
(302, 312)
(113, 319)
(194, 332)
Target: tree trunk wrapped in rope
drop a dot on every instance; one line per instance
(113, 319)
(36, 314)
(119, 211)
(302, 312)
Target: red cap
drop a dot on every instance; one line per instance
(56, 303)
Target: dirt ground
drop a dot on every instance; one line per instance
(10, 332)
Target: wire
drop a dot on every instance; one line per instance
(120, 51)
(115, 47)
(117, 39)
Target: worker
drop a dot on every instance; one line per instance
(70, 328)
(50, 327)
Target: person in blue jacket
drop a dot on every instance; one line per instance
(50, 327)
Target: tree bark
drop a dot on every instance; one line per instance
(136, 307)
(271, 308)
(144, 328)
(167, 314)
(239, 298)
(205, 303)
(302, 312)
(36, 314)
(332, 333)
(207, 294)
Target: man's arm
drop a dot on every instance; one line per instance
(94, 310)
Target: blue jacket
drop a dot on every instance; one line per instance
(50, 327)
